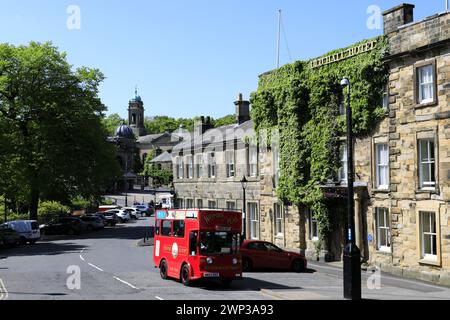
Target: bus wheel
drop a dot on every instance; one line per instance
(185, 275)
(163, 270)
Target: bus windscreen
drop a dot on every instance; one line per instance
(216, 243)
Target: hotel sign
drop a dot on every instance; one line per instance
(345, 54)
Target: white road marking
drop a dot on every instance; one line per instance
(81, 257)
(159, 298)
(128, 284)
(3, 291)
(94, 266)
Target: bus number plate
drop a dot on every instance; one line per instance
(211, 275)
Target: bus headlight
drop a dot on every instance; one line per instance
(235, 261)
(209, 260)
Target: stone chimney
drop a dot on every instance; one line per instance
(397, 17)
(242, 110)
(202, 125)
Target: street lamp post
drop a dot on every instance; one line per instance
(352, 254)
(244, 183)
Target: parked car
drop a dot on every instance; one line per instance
(144, 209)
(111, 218)
(93, 223)
(8, 237)
(99, 215)
(134, 213)
(123, 215)
(266, 255)
(66, 225)
(28, 230)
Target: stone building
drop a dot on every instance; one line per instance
(209, 167)
(407, 161)
(402, 193)
(125, 141)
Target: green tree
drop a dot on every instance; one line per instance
(52, 142)
(112, 122)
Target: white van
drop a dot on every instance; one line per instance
(165, 200)
(28, 230)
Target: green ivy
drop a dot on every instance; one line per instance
(303, 105)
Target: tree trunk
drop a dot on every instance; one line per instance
(34, 203)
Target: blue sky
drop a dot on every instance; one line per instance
(190, 57)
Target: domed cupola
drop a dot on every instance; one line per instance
(124, 131)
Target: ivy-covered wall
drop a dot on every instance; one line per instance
(303, 104)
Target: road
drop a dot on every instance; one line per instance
(113, 266)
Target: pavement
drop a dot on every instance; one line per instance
(113, 264)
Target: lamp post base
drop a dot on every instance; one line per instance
(352, 272)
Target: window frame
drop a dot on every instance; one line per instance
(212, 165)
(378, 165)
(278, 214)
(230, 163)
(252, 166)
(428, 185)
(199, 165)
(313, 226)
(343, 158)
(386, 226)
(254, 220)
(189, 162)
(417, 84)
(425, 256)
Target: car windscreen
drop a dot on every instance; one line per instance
(214, 243)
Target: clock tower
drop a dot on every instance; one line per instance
(136, 115)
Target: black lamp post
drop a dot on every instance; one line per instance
(244, 184)
(352, 254)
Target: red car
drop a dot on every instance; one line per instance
(265, 255)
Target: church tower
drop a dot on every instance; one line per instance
(136, 115)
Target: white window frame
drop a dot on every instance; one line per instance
(313, 226)
(385, 226)
(343, 170)
(385, 100)
(427, 163)
(429, 84)
(211, 165)
(279, 219)
(199, 165)
(180, 168)
(252, 160)
(380, 164)
(423, 254)
(230, 163)
(189, 167)
(254, 220)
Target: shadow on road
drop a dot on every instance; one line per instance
(247, 284)
(43, 248)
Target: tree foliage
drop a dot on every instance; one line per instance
(52, 142)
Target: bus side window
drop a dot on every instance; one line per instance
(178, 229)
(166, 228)
(157, 227)
(193, 243)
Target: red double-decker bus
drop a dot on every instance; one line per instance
(198, 244)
